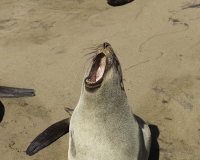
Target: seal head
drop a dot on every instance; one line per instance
(104, 59)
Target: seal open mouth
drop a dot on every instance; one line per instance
(97, 71)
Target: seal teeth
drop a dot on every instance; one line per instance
(90, 82)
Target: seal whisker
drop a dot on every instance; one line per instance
(75, 76)
(87, 60)
(93, 52)
(93, 46)
(78, 62)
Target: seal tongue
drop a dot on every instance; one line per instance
(98, 68)
(101, 68)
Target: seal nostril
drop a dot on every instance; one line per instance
(106, 44)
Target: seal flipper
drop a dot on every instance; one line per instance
(69, 111)
(9, 92)
(48, 136)
(145, 132)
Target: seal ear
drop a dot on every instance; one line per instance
(48, 136)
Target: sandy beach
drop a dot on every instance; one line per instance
(43, 44)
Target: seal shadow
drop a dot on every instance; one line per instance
(154, 151)
(2, 111)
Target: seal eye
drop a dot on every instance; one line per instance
(97, 71)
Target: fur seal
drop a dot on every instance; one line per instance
(118, 2)
(102, 126)
(9, 92)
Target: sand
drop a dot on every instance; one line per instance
(42, 46)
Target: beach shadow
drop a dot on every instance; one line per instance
(154, 151)
(2, 111)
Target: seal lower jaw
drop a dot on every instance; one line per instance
(97, 72)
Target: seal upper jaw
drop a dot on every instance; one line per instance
(97, 71)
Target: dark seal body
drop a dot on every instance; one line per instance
(118, 2)
(11, 92)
